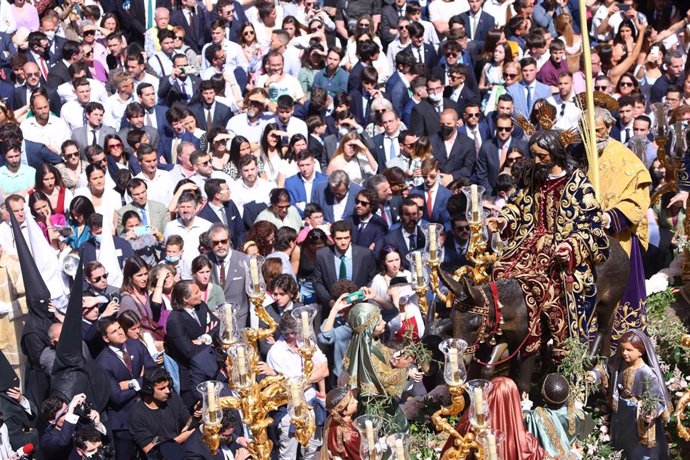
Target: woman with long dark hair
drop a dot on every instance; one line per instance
(135, 296)
(49, 181)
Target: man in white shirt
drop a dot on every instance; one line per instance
(277, 82)
(44, 127)
(73, 112)
(251, 124)
(286, 122)
(117, 103)
(161, 62)
(567, 113)
(234, 54)
(137, 67)
(187, 225)
(160, 186)
(250, 188)
(203, 170)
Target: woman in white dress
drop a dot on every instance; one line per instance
(390, 266)
(353, 157)
(491, 82)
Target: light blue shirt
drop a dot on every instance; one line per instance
(348, 263)
(23, 179)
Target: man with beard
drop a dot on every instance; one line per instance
(624, 196)
(553, 225)
(187, 225)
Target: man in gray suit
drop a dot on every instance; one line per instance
(227, 272)
(151, 212)
(94, 131)
(134, 118)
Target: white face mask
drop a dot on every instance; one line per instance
(437, 97)
(342, 131)
(50, 35)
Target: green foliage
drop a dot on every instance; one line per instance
(575, 366)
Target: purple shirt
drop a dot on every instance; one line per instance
(548, 74)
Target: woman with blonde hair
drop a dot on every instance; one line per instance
(420, 152)
(491, 82)
(353, 157)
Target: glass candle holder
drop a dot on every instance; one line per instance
(297, 404)
(211, 412)
(254, 283)
(418, 260)
(454, 371)
(474, 210)
(228, 331)
(399, 445)
(242, 371)
(478, 390)
(433, 234)
(305, 317)
(368, 427)
(492, 440)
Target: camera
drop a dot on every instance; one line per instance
(82, 411)
(188, 70)
(355, 297)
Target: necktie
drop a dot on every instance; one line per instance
(149, 14)
(420, 54)
(196, 317)
(223, 215)
(430, 202)
(529, 98)
(343, 268)
(383, 214)
(474, 27)
(191, 20)
(95, 137)
(209, 119)
(502, 157)
(477, 141)
(413, 242)
(127, 359)
(362, 226)
(83, 117)
(392, 153)
(221, 278)
(438, 109)
(627, 135)
(144, 218)
(173, 149)
(148, 119)
(44, 68)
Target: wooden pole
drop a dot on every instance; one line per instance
(590, 139)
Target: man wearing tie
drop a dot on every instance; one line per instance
(409, 236)
(220, 209)
(623, 130)
(526, 92)
(477, 22)
(151, 212)
(424, 53)
(179, 86)
(386, 145)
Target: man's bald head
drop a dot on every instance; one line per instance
(448, 115)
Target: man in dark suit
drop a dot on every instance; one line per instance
(473, 126)
(59, 72)
(123, 361)
(367, 227)
(493, 154)
(363, 97)
(389, 204)
(354, 263)
(179, 86)
(220, 209)
(477, 22)
(307, 177)
(424, 119)
(195, 22)
(91, 248)
(459, 162)
(435, 195)
(390, 14)
(503, 105)
(408, 236)
(455, 247)
(331, 193)
(227, 272)
(233, 14)
(623, 129)
(132, 17)
(84, 135)
(22, 94)
(385, 146)
(208, 109)
(368, 51)
(174, 136)
(153, 114)
(424, 53)
(397, 85)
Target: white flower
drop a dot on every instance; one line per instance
(603, 429)
(657, 283)
(605, 438)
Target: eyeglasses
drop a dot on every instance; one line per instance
(453, 55)
(248, 32)
(462, 227)
(219, 242)
(88, 53)
(472, 115)
(204, 163)
(70, 155)
(513, 158)
(89, 32)
(282, 206)
(32, 74)
(115, 146)
(509, 75)
(402, 27)
(379, 111)
(601, 88)
(626, 83)
(100, 277)
(363, 203)
(505, 129)
(364, 24)
(179, 37)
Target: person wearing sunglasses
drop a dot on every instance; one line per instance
(567, 113)
(473, 126)
(367, 226)
(493, 156)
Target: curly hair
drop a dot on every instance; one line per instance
(261, 232)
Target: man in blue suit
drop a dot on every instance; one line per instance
(408, 236)
(477, 22)
(435, 195)
(336, 196)
(398, 84)
(306, 178)
(473, 126)
(175, 117)
(33, 153)
(220, 208)
(528, 90)
(123, 361)
(423, 53)
(493, 154)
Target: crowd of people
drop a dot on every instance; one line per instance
(148, 149)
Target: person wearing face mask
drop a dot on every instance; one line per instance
(455, 152)
(424, 118)
(93, 246)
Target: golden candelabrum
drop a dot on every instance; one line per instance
(476, 253)
(454, 374)
(683, 402)
(257, 399)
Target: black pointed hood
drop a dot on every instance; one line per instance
(72, 373)
(8, 377)
(37, 293)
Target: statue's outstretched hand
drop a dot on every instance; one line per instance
(495, 224)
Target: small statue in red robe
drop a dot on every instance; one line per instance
(340, 436)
